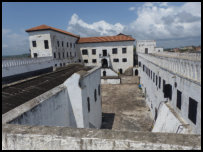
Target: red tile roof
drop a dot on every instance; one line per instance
(119, 37)
(46, 27)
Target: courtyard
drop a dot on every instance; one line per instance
(124, 108)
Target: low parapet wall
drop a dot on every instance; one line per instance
(17, 137)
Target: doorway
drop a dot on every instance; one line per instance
(104, 63)
(104, 73)
(104, 52)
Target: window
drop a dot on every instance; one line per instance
(178, 104)
(153, 77)
(151, 74)
(123, 50)
(86, 61)
(88, 104)
(136, 72)
(85, 52)
(34, 43)
(55, 65)
(104, 73)
(35, 55)
(163, 84)
(115, 60)
(146, 50)
(54, 54)
(59, 55)
(114, 51)
(159, 82)
(99, 89)
(156, 80)
(70, 45)
(124, 59)
(67, 54)
(63, 55)
(121, 71)
(93, 51)
(143, 67)
(70, 54)
(67, 44)
(94, 60)
(58, 43)
(139, 64)
(75, 54)
(192, 112)
(95, 95)
(62, 43)
(46, 45)
(168, 91)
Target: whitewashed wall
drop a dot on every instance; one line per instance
(109, 46)
(70, 53)
(64, 105)
(109, 72)
(53, 109)
(168, 122)
(188, 87)
(39, 37)
(142, 44)
(19, 66)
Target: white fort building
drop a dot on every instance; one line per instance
(115, 52)
(60, 106)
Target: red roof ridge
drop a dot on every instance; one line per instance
(115, 38)
(46, 27)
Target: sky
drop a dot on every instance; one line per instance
(171, 24)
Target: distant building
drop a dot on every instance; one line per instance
(114, 52)
(147, 46)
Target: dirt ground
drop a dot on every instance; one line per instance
(124, 108)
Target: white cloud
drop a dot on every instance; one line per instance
(158, 21)
(99, 28)
(132, 8)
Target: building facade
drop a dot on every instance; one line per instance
(172, 86)
(46, 41)
(115, 52)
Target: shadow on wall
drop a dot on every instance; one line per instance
(107, 120)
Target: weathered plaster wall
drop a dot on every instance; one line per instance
(64, 105)
(63, 138)
(18, 66)
(91, 88)
(142, 44)
(110, 81)
(53, 110)
(109, 72)
(109, 46)
(188, 86)
(168, 122)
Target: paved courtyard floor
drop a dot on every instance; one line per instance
(124, 108)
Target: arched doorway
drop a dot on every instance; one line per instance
(121, 71)
(136, 72)
(104, 73)
(104, 63)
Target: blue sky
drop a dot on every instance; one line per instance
(171, 24)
